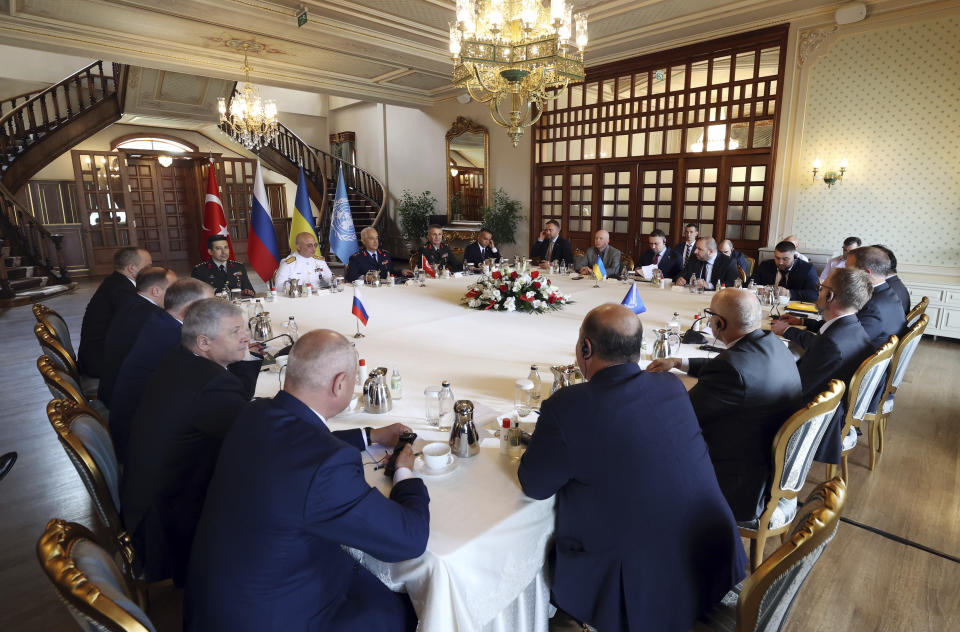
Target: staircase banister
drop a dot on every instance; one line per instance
(378, 201)
(12, 100)
(24, 216)
(52, 89)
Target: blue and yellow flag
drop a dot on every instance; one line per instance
(599, 270)
(302, 215)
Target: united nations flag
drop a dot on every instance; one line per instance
(343, 236)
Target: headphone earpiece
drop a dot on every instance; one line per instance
(584, 349)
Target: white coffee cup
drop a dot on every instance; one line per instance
(437, 456)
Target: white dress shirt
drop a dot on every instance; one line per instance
(839, 261)
(400, 474)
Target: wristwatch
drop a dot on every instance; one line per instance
(368, 433)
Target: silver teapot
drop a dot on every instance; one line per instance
(376, 392)
(666, 345)
(292, 288)
(565, 375)
(464, 440)
(260, 326)
(372, 278)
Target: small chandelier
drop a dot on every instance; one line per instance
(519, 49)
(250, 121)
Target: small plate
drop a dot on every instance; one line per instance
(420, 467)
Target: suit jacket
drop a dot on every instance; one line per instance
(234, 278)
(679, 248)
(286, 494)
(361, 262)
(188, 406)
(739, 259)
(835, 354)
(742, 398)
(670, 262)
(801, 279)
(440, 256)
(471, 254)
(724, 270)
(121, 337)
(642, 455)
(901, 291)
(881, 317)
(114, 291)
(562, 251)
(611, 260)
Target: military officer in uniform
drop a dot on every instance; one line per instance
(304, 265)
(220, 271)
(437, 252)
(370, 257)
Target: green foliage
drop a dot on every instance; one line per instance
(503, 218)
(415, 212)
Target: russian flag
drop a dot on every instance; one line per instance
(358, 309)
(262, 248)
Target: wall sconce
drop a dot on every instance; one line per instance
(830, 177)
(165, 161)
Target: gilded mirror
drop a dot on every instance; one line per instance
(468, 162)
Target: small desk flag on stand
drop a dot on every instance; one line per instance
(599, 271)
(427, 267)
(358, 309)
(633, 301)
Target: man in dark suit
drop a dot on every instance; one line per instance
(289, 494)
(685, 249)
(726, 248)
(159, 335)
(602, 250)
(794, 278)
(669, 262)
(550, 246)
(152, 284)
(839, 349)
(436, 252)
(220, 271)
(370, 257)
(741, 398)
(614, 567)
(894, 281)
(114, 291)
(482, 249)
(188, 406)
(708, 268)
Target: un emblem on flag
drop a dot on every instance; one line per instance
(343, 221)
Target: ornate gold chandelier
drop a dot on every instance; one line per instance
(251, 121)
(519, 49)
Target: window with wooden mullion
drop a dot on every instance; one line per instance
(551, 196)
(700, 194)
(747, 190)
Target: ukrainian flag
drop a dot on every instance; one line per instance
(302, 215)
(599, 270)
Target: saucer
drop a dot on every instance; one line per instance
(420, 467)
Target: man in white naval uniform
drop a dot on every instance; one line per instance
(304, 265)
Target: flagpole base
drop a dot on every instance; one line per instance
(358, 335)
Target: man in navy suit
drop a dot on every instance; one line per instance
(111, 295)
(794, 278)
(370, 257)
(894, 281)
(669, 262)
(159, 335)
(644, 538)
(287, 495)
(482, 249)
(550, 246)
(742, 397)
(686, 248)
(839, 349)
(726, 247)
(708, 268)
(152, 284)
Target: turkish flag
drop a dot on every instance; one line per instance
(214, 221)
(427, 267)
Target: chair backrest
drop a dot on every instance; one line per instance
(98, 594)
(865, 382)
(626, 264)
(904, 353)
(768, 594)
(918, 310)
(751, 264)
(796, 442)
(742, 274)
(59, 381)
(56, 325)
(52, 347)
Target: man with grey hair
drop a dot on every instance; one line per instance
(602, 250)
(708, 269)
(187, 407)
(742, 397)
(370, 257)
(726, 248)
(304, 264)
(292, 495)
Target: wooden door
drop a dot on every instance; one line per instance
(657, 184)
(748, 180)
(581, 202)
(617, 187)
(102, 189)
(701, 184)
(164, 203)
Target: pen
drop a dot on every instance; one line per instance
(381, 466)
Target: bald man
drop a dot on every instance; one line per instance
(601, 249)
(793, 239)
(305, 265)
(614, 569)
(287, 495)
(742, 398)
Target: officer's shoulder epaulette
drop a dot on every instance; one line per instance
(317, 255)
(290, 259)
(201, 264)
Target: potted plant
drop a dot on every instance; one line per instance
(502, 218)
(415, 212)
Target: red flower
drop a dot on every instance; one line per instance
(513, 275)
(535, 274)
(473, 293)
(495, 274)
(492, 303)
(503, 288)
(536, 285)
(529, 299)
(552, 298)
(548, 281)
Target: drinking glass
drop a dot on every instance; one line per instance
(431, 395)
(523, 397)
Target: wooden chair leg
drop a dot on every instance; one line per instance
(756, 553)
(882, 427)
(831, 471)
(872, 443)
(843, 467)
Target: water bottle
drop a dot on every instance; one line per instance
(292, 329)
(361, 372)
(674, 324)
(537, 386)
(446, 406)
(396, 385)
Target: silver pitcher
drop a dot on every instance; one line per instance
(372, 278)
(292, 288)
(260, 326)
(376, 392)
(464, 441)
(666, 345)
(565, 375)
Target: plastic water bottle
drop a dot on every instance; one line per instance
(292, 329)
(537, 386)
(674, 324)
(396, 385)
(361, 372)
(446, 406)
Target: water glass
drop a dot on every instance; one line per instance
(431, 395)
(523, 397)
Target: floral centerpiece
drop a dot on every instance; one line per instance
(511, 291)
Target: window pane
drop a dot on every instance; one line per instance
(655, 143)
(646, 227)
(561, 150)
(562, 101)
(591, 95)
(666, 194)
(606, 146)
(738, 174)
(710, 175)
(608, 193)
(608, 91)
(589, 148)
(575, 180)
(754, 213)
(623, 177)
(721, 70)
(756, 194)
(706, 212)
(648, 194)
(709, 194)
(607, 225)
(623, 87)
(744, 66)
(689, 212)
(733, 231)
(763, 134)
(751, 233)
(659, 81)
(734, 213)
(637, 144)
(649, 177)
(758, 173)
(693, 194)
(621, 146)
(698, 74)
(673, 141)
(693, 175)
(609, 178)
(769, 61)
(574, 150)
(623, 210)
(546, 151)
(736, 194)
(707, 229)
(666, 176)
(576, 95)
(678, 77)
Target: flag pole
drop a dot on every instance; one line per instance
(358, 334)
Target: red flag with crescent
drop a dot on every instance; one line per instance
(214, 221)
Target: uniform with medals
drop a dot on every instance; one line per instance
(232, 277)
(364, 260)
(312, 270)
(440, 256)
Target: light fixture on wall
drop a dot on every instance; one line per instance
(830, 177)
(251, 121)
(517, 51)
(165, 161)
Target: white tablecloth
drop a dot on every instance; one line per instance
(483, 568)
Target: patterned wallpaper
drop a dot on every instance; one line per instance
(888, 101)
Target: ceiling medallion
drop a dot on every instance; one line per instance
(520, 51)
(247, 118)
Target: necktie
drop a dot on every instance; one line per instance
(223, 270)
(686, 254)
(549, 252)
(656, 259)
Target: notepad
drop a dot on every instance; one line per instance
(807, 308)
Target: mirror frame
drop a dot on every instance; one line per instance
(466, 126)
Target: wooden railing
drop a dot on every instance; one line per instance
(11, 103)
(28, 238)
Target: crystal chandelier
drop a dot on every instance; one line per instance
(250, 121)
(517, 51)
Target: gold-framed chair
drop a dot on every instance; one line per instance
(414, 261)
(762, 602)
(86, 440)
(751, 265)
(56, 325)
(52, 347)
(742, 274)
(918, 310)
(63, 385)
(898, 368)
(99, 595)
(793, 448)
(626, 264)
(863, 385)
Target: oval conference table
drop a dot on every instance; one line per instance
(484, 564)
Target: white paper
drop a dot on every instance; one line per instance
(647, 271)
